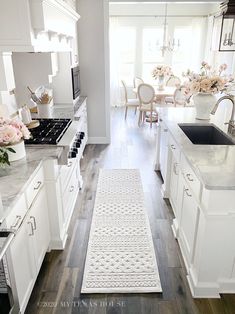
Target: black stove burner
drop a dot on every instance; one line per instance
(49, 131)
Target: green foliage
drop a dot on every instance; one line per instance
(4, 158)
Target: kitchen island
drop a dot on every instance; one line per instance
(199, 181)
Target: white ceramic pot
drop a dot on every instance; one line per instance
(45, 110)
(19, 149)
(204, 103)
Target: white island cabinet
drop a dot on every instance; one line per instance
(199, 182)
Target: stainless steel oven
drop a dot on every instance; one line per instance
(8, 296)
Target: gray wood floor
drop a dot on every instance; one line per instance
(57, 289)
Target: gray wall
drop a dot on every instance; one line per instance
(93, 54)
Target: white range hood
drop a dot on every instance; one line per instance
(37, 25)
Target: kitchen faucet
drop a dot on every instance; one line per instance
(231, 123)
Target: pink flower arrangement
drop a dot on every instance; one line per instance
(12, 131)
(207, 81)
(161, 71)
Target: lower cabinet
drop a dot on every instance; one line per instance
(163, 150)
(174, 183)
(188, 225)
(38, 224)
(29, 247)
(23, 264)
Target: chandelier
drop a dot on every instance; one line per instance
(167, 43)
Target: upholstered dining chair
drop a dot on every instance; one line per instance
(173, 81)
(179, 98)
(146, 95)
(137, 81)
(133, 103)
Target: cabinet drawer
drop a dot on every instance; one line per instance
(15, 218)
(190, 177)
(66, 172)
(174, 148)
(34, 186)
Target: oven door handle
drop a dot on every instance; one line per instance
(6, 244)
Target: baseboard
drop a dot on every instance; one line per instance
(98, 140)
(202, 289)
(58, 244)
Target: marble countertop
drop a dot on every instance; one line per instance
(214, 165)
(14, 179)
(62, 110)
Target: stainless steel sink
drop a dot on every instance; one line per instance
(207, 134)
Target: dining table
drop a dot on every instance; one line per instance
(168, 91)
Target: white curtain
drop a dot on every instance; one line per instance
(199, 25)
(115, 44)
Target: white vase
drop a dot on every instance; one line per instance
(161, 82)
(204, 103)
(19, 149)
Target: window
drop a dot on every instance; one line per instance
(127, 41)
(181, 58)
(152, 37)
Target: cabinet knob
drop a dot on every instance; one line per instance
(175, 168)
(172, 146)
(165, 130)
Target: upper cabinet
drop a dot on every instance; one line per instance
(37, 25)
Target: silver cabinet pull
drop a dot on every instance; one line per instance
(71, 188)
(188, 175)
(34, 222)
(175, 168)
(173, 146)
(187, 192)
(18, 219)
(38, 185)
(32, 232)
(165, 130)
(69, 164)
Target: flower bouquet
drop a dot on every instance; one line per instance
(160, 72)
(203, 86)
(12, 135)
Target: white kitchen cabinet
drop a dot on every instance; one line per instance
(37, 25)
(24, 268)
(29, 247)
(174, 183)
(163, 150)
(188, 225)
(39, 225)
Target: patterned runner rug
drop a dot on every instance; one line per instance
(120, 256)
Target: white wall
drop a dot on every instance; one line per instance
(94, 66)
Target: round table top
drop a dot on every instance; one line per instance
(168, 91)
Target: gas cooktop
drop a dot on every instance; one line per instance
(50, 131)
